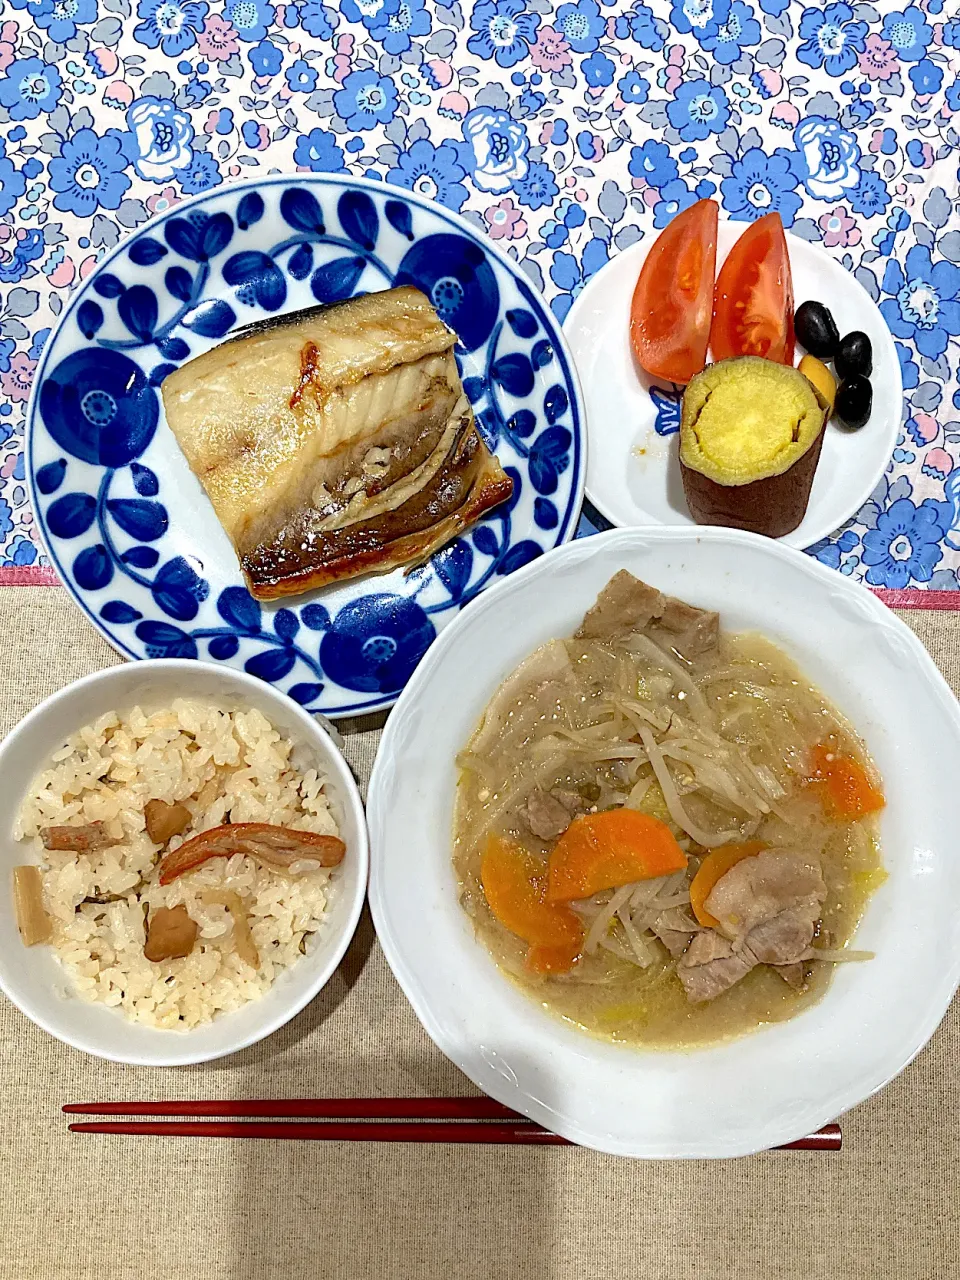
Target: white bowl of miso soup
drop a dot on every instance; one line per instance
(660, 853)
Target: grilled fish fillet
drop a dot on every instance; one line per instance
(335, 441)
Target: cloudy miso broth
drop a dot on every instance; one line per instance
(717, 739)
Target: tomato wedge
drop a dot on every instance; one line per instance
(671, 309)
(753, 300)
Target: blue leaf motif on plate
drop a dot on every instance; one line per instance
(522, 423)
(488, 424)
(179, 282)
(107, 285)
(137, 309)
(300, 209)
(515, 374)
(173, 348)
(522, 322)
(474, 389)
(514, 498)
(545, 514)
(237, 606)
(398, 215)
(143, 520)
(542, 354)
(141, 557)
(145, 251)
(72, 515)
(304, 693)
(336, 280)
(454, 565)
(271, 665)
(555, 403)
(162, 640)
(158, 373)
(120, 612)
(215, 235)
(144, 481)
(211, 319)
(358, 217)
(259, 279)
(249, 210)
(315, 616)
(178, 590)
(520, 553)
(549, 458)
(92, 568)
(668, 405)
(485, 540)
(98, 406)
(89, 318)
(224, 647)
(198, 237)
(50, 477)
(286, 624)
(183, 238)
(301, 262)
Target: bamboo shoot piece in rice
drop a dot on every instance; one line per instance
(705, 820)
(335, 441)
(32, 919)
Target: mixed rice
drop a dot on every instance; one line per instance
(224, 766)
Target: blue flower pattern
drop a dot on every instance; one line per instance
(102, 503)
(565, 128)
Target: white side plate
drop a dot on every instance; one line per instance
(633, 467)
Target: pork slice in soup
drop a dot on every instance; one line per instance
(663, 831)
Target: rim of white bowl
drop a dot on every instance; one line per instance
(939, 999)
(347, 791)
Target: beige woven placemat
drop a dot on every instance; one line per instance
(71, 1208)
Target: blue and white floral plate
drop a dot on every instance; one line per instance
(128, 526)
(633, 421)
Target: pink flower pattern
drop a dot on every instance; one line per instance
(505, 221)
(18, 378)
(839, 228)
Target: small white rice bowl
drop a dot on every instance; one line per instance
(230, 749)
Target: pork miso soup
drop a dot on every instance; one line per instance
(663, 832)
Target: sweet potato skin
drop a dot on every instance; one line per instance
(773, 506)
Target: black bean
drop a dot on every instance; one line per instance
(817, 329)
(854, 355)
(854, 401)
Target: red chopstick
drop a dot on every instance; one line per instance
(456, 1120)
(336, 1131)
(471, 1108)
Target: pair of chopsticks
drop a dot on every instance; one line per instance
(456, 1120)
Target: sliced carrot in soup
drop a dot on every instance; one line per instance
(606, 850)
(713, 868)
(515, 885)
(848, 792)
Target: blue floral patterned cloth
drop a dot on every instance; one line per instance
(565, 131)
